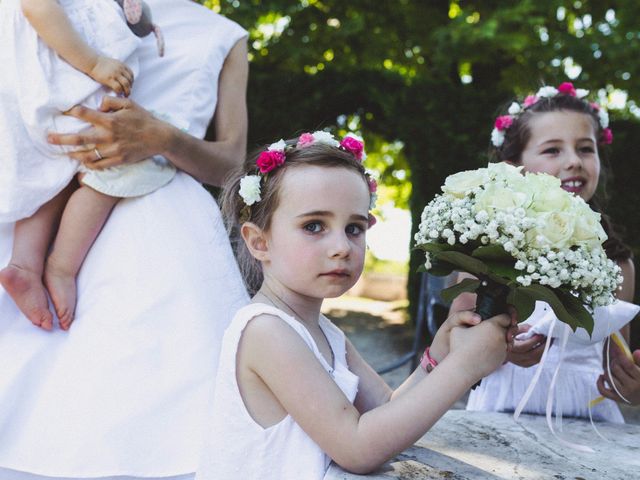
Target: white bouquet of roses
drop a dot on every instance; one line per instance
(524, 238)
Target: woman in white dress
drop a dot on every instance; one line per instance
(125, 392)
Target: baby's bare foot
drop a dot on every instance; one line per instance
(26, 289)
(62, 289)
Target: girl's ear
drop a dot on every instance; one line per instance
(255, 240)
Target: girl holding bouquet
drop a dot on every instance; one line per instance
(557, 132)
(291, 389)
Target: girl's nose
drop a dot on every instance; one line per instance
(340, 246)
(573, 160)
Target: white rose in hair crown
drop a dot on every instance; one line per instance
(524, 238)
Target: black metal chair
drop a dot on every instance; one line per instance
(431, 312)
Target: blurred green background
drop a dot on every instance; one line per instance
(422, 81)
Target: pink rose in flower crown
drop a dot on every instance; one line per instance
(305, 140)
(269, 160)
(503, 122)
(567, 88)
(530, 100)
(607, 136)
(373, 185)
(353, 145)
(595, 106)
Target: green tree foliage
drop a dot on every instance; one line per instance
(427, 77)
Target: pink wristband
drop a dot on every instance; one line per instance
(427, 362)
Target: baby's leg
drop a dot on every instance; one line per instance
(84, 216)
(22, 278)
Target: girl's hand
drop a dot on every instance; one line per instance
(626, 375)
(122, 132)
(440, 345)
(484, 346)
(526, 353)
(112, 74)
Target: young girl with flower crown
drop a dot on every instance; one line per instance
(558, 132)
(292, 392)
(57, 54)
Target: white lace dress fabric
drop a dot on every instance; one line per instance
(126, 392)
(36, 86)
(240, 448)
(580, 368)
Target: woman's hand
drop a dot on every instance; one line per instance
(626, 375)
(121, 132)
(526, 353)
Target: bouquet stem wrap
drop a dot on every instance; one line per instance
(491, 299)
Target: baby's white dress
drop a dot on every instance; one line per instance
(125, 393)
(36, 86)
(239, 447)
(579, 370)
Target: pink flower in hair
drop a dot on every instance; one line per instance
(353, 145)
(373, 185)
(305, 140)
(607, 136)
(503, 122)
(269, 160)
(595, 106)
(530, 100)
(567, 88)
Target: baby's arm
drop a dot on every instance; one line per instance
(51, 23)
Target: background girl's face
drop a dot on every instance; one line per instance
(316, 241)
(563, 144)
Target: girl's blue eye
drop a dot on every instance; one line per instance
(313, 227)
(354, 229)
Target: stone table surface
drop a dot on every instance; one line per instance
(477, 445)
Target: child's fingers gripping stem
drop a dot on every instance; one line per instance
(440, 345)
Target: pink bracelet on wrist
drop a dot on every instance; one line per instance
(427, 362)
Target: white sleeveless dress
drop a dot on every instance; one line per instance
(240, 448)
(125, 391)
(580, 367)
(36, 86)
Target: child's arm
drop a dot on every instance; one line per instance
(51, 23)
(277, 355)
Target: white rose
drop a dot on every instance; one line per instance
(504, 171)
(581, 92)
(556, 230)
(548, 196)
(547, 92)
(320, 136)
(495, 197)
(461, 183)
(279, 146)
(497, 137)
(250, 189)
(603, 116)
(588, 231)
(514, 108)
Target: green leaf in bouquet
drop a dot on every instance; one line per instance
(577, 310)
(466, 285)
(540, 292)
(523, 301)
(463, 262)
(502, 272)
(492, 252)
(441, 269)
